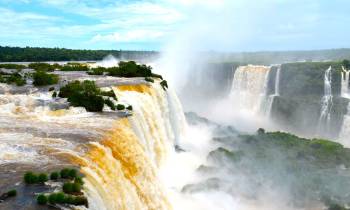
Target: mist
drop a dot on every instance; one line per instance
(213, 30)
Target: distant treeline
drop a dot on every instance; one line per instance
(278, 57)
(33, 54)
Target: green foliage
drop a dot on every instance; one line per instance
(130, 69)
(42, 199)
(58, 198)
(12, 66)
(30, 178)
(120, 107)
(51, 88)
(54, 94)
(67, 188)
(97, 71)
(261, 131)
(42, 78)
(149, 79)
(16, 78)
(85, 94)
(129, 108)
(109, 94)
(79, 180)
(54, 175)
(110, 103)
(42, 66)
(52, 198)
(67, 173)
(12, 193)
(74, 67)
(346, 64)
(164, 84)
(42, 178)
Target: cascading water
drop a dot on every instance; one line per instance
(345, 93)
(326, 104)
(249, 87)
(271, 98)
(119, 156)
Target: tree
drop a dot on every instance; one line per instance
(346, 64)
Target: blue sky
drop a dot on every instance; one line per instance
(220, 25)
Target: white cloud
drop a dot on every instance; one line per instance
(129, 36)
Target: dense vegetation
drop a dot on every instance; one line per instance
(301, 170)
(12, 66)
(41, 78)
(17, 54)
(346, 64)
(88, 95)
(71, 189)
(12, 78)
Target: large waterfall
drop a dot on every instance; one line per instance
(276, 93)
(326, 103)
(119, 156)
(249, 87)
(345, 83)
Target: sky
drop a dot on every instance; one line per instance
(217, 25)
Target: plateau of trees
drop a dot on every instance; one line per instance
(33, 54)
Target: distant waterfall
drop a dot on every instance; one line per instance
(326, 103)
(345, 83)
(249, 87)
(345, 130)
(271, 98)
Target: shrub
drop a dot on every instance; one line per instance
(76, 187)
(12, 66)
(12, 193)
(110, 103)
(70, 188)
(109, 94)
(120, 107)
(42, 78)
(79, 180)
(130, 69)
(54, 175)
(54, 94)
(42, 66)
(67, 188)
(42, 199)
(149, 79)
(60, 197)
(51, 88)
(30, 178)
(74, 67)
(72, 173)
(14, 78)
(65, 173)
(164, 84)
(97, 71)
(42, 178)
(85, 94)
(261, 131)
(129, 108)
(52, 198)
(80, 201)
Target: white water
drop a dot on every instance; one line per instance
(249, 88)
(345, 93)
(326, 104)
(271, 98)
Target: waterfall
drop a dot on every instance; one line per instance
(326, 103)
(271, 98)
(121, 170)
(345, 130)
(120, 157)
(249, 87)
(345, 83)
